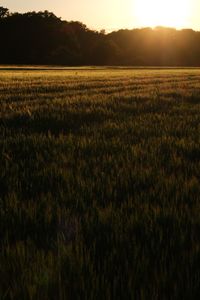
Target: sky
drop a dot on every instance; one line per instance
(116, 14)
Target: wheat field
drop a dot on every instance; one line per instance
(99, 183)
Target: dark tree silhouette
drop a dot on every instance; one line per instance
(43, 38)
(4, 12)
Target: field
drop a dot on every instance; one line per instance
(100, 184)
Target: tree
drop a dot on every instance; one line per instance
(103, 31)
(4, 12)
(105, 52)
(43, 38)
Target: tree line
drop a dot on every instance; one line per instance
(43, 38)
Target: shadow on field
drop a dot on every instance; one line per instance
(194, 99)
(55, 124)
(71, 120)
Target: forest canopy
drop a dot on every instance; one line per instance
(43, 38)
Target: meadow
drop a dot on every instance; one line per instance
(99, 184)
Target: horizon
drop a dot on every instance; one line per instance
(115, 15)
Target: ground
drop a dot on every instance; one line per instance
(99, 181)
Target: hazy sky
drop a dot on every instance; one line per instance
(114, 14)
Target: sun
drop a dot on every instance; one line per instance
(171, 13)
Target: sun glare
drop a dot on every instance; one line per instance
(171, 13)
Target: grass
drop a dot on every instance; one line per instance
(99, 181)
